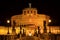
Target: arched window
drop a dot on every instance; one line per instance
(28, 12)
(24, 12)
(31, 11)
(34, 12)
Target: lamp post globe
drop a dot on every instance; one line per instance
(49, 20)
(8, 21)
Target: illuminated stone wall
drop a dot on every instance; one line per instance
(55, 29)
(4, 30)
(30, 16)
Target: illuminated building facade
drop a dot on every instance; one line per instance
(30, 22)
(30, 19)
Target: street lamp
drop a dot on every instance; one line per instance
(8, 21)
(49, 20)
(49, 27)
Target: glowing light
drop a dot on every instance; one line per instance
(30, 34)
(8, 21)
(49, 20)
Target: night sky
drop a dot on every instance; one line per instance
(9, 8)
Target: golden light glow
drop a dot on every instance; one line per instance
(8, 21)
(30, 34)
(49, 21)
(30, 17)
(30, 20)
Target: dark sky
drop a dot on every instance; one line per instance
(9, 8)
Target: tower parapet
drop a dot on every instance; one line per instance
(30, 10)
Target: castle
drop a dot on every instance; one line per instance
(28, 23)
